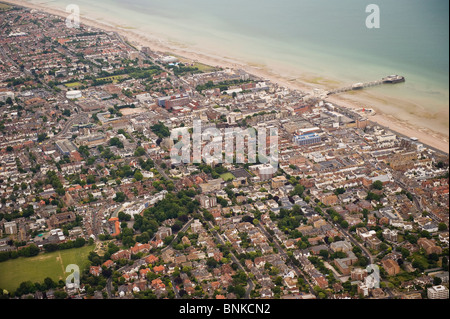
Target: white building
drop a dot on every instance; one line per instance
(75, 94)
(437, 292)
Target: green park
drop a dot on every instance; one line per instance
(35, 269)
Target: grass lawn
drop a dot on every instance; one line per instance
(73, 84)
(227, 176)
(35, 269)
(204, 68)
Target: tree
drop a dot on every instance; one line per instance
(344, 224)
(211, 262)
(324, 253)
(42, 137)
(363, 261)
(377, 185)
(442, 227)
(49, 283)
(115, 141)
(124, 217)
(79, 242)
(139, 151)
(120, 197)
(160, 130)
(138, 175)
(60, 294)
(437, 281)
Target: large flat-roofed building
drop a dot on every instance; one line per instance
(10, 227)
(212, 185)
(92, 140)
(307, 139)
(172, 101)
(75, 94)
(65, 147)
(309, 130)
(437, 292)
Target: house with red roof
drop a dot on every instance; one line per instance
(151, 259)
(138, 247)
(143, 272)
(95, 270)
(159, 269)
(108, 264)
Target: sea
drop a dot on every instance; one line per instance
(323, 42)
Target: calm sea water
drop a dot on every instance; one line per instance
(323, 38)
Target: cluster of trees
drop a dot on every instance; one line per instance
(84, 151)
(223, 86)
(214, 171)
(318, 263)
(339, 191)
(28, 287)
(115, 141)
(141, 73)
(238, 285)
(27, 211)
(98, 82)
(79, 242)
(181, 69)
(160, 185)
(106, 153)
(160, 130)
(41, 137)
(29, 251)
(139, 151)
(363, 261)
(120, 197)
(53, 179)
(337, 218)
(124, 171)
(178, 206)
(146, 164)
(289, 220)
(17, 81)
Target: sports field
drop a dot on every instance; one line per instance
(36, 269)
(227, 176)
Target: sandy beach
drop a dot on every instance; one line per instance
(139, 39)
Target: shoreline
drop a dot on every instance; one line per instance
(425, 135)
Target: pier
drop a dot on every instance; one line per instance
(391, 79)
